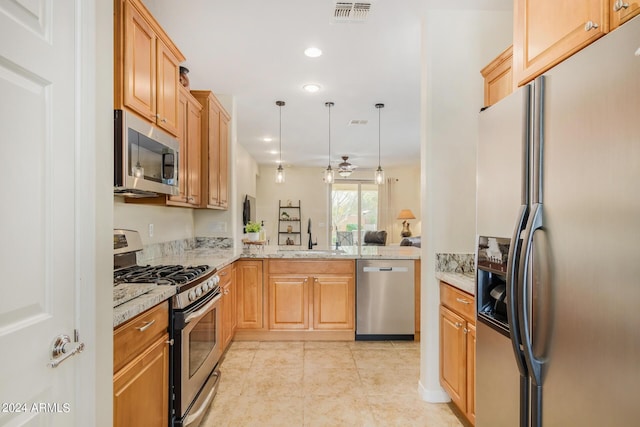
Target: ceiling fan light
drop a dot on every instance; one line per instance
(344, 173)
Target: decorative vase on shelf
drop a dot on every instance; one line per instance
(289, 229)
(253, 237)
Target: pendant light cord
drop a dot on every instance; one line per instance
(280, 139)
(379, 136)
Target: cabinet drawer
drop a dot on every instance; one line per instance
(458, 301)
(311, 267)
(131, 338)
(225, 275)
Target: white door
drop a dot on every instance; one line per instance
(40, 110)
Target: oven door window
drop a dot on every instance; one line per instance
(202, 340)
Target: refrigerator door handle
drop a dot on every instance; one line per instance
(512, 291)
(512, 313)
(534, 365)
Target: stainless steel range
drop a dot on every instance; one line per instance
(195, 325)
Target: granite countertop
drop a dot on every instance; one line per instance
(465, 282)
(132, 308)
(220, 258)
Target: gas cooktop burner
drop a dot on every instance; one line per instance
(159, 274)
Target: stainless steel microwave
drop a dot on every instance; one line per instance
(145, 158)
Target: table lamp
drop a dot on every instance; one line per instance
(404, 215)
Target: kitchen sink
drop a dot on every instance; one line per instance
(312, 252)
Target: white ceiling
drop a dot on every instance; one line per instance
(253, 50)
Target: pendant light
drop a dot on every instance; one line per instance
(379, 176)
(329, 174)
(280, 170)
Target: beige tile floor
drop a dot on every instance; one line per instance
(323, 384)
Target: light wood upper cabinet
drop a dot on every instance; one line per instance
(215, 141)
(189, 159)
(249, 294)
(168, 78)
(622, 11)
(498, 77)
(548, 31)
(146, 66)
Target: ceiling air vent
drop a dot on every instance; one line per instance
(358, 122)
(351, 11)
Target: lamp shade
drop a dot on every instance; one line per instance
(406, 214)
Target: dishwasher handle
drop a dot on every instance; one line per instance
(385, 269)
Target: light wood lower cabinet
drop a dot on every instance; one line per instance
(311, 294)
(249, 286)
(141, 370)
(457, 348)
(229, 310)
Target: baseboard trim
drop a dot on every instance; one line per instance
(433, 396)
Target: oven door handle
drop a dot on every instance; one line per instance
(203, 310)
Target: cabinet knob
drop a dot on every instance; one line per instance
(458, 324)
(163, 120)
(619, 5)
(226, 291)
(465, 330)
(590, 25)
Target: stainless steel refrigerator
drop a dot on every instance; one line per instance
(558, 259)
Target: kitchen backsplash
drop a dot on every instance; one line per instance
(455, 263)
(177, 247)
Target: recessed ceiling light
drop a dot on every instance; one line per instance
(267, 139)
(312, 52)
(312, 87)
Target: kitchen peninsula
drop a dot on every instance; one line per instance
(250, 270)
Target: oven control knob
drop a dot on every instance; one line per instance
(191, 295)
(211, 283)
(207, 286)
(216, 279)
(198, 291)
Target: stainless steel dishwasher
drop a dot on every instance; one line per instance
(385, 296)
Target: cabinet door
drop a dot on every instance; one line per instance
(498, 77)
(226, 314)
(141, 389)
(223, 169)
(139, 64)
(214, 154)
(183, 170)
(453, 364)
(333, 302)
(194, 159)
(471, 372)
(167, 77)
(548, 31)
(249, 294)
(622, 11)
(288, 302)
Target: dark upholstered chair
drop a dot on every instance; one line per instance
(375, 238)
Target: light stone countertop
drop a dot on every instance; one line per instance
(132, 308)
(464, 282)
(220, 258)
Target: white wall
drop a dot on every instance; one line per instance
(169, 223)
(306, 185)
(457, 44)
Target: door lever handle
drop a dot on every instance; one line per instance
(62, 348)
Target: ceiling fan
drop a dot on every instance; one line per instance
(345, 168)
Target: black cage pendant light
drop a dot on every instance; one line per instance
(328, 173)
(379, 176)
(280, 170)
